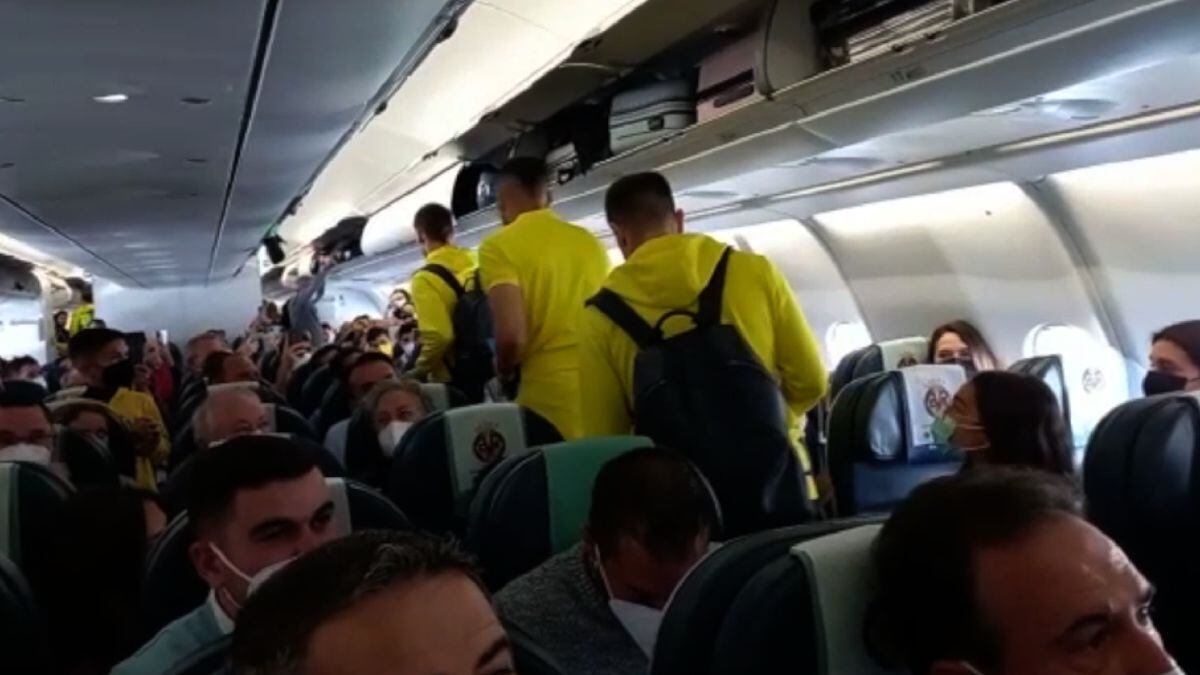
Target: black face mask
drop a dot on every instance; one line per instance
(1158, 382)
(119, 374)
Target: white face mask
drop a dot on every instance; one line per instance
(253, 583)
(641, 622)
(25, 452)
(1175, 670)
(389, 436)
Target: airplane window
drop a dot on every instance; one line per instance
(844, 337)
(1096, 377)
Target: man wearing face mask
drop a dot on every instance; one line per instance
(258, 503)
(596, 607)
(101, 358)
(26, 434)
(998, 573)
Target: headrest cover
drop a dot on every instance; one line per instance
(903, 352)
(341, 506)
(839, 573)
(479, 436)
(438, 395)
(571, 470)
(928, 391)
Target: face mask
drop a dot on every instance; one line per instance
(1157, 382)
(25, 452)
(253, 583)
(119, 374)
(641, 622)
(943, 429)
(390, 436)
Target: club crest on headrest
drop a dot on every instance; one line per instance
(1093, 380)
(937, 398)
(489, 445)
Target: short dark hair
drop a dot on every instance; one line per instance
(1023, 422)
(1185, 335)
(926, 608)
(656, 497)
(21, 394)
(214, 364)
(366, 359)
(375, 333)
(639, 200)
(242, 463)
(89, 341)
(530, 173)
(435, 222)
(275, 627)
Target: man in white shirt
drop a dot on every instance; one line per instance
(261, 502)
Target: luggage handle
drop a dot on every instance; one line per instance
(656, 123)
(733, 95)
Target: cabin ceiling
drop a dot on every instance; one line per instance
(155, 143)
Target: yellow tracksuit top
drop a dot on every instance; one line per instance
(668, 273)
(558, 266)
(134, 405)
(435, 302)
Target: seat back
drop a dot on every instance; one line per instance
(442, 397)
(880, 444)
(24, 641)
(892, 355)
(698, 608)
(843, 374)
(804, 613)
(33, 503)
(335, 407)
(442, 459)
(1142, 481)
(1049, 369)
(171, 587)
(534, 505)
(89, 464)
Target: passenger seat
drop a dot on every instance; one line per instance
(33, 502)
(878, 358)
(880, 445)
(533, 506)
(444, 457)
(24, 640)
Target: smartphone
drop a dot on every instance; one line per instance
(137, 346)
(163, 336)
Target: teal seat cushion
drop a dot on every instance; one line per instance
(571, 469)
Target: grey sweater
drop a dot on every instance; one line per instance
(564, 608)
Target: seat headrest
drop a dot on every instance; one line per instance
(880, 443)
(438, 396)
(442, 459)
(805, 612)
(699, 606)
(172, 588)
(1048, 369)
(534, 505)
(24, 640)
(891, 355)
(843, 374)
(32, 505)
(70, 393)
(89, 464)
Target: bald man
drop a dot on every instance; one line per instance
(225, 414)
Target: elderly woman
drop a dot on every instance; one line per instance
(388, 412)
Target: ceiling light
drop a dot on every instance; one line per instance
(111, 98)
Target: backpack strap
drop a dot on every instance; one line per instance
(446, 276)
(611, 305)
(709, 311)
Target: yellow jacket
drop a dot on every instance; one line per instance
(81, 317)
(435, 302)
(132, 406)
(668, 273)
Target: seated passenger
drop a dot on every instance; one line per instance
(225, 367)
(226, 414)
(379, 341)
(596, 607)
(95, 606)
(1174, 360)
(394, 407)
(24, 368)
(199, 347)
(375, 602)
(1010, 419)
(997, 572)
(26, 434)
(959, 342)
(96, 421)
(369, 370)
(256, 504)
(101, 357)
(158, 362)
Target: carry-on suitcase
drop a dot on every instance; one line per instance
(855, 30)
(727, 79)
(563, 164)
(651, 113)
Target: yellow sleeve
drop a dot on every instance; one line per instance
(495, 266)
(434, 321)
(150, 411)
(797, 354)
(602, 404)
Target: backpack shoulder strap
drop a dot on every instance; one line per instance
(446, 276)
(709, 311)
(611, 305)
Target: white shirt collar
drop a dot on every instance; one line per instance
(224, 623)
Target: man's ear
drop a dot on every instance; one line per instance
(207, 564)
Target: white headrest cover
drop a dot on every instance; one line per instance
(904, 352)
(839, 573)
(479, 436)
(929, 390)
(438, 395)
(341, 506)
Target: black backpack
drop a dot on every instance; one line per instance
(705, 393)
(472, 365)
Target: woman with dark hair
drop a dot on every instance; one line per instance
(961, 342)
(1002, 418)
(1174, 359)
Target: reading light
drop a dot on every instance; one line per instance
(111, 98)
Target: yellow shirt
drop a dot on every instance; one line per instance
(668, 273)
(558, 266)
(435, 302)
(81, 317)
(132, 406)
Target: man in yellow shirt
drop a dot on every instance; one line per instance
(83, 315)
(538, 271)
(665, 271)
(101, 357)
(433, 295)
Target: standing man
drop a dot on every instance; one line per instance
(538, 271)
(433, 294)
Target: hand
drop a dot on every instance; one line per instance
(146, 436)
